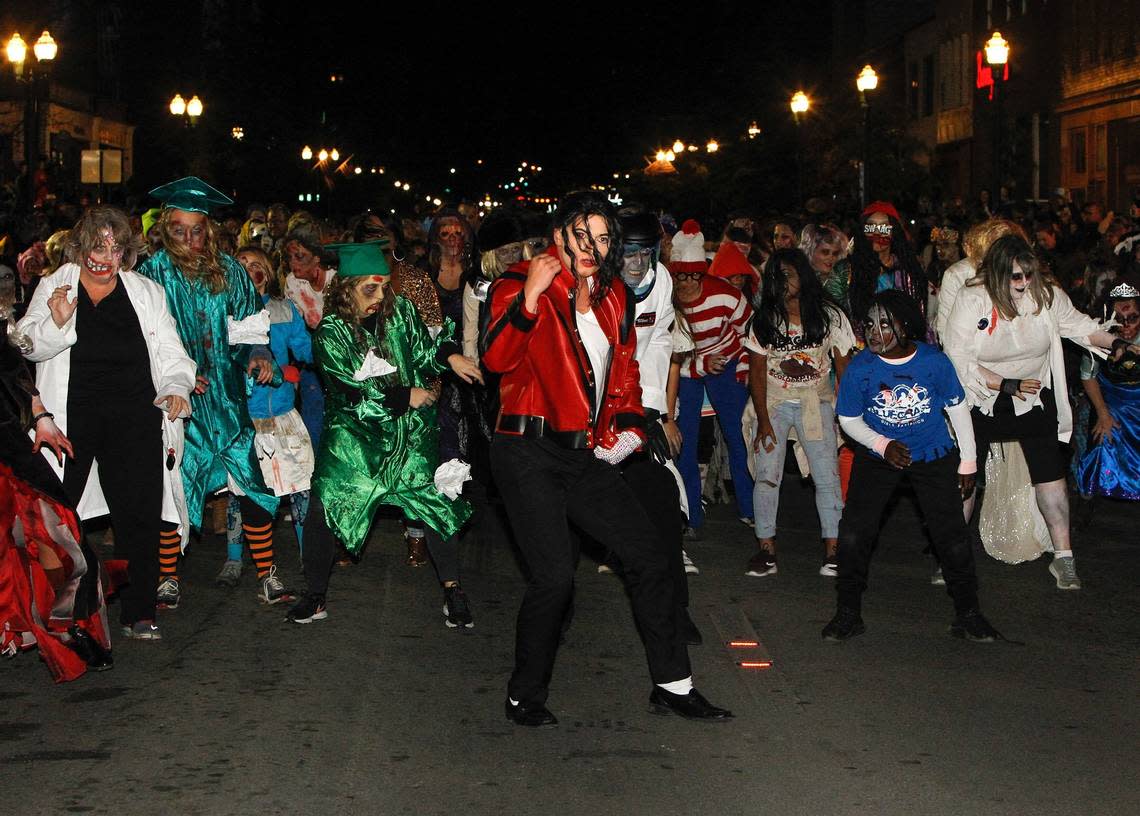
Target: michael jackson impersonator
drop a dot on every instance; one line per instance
(380, 443)
(561, 334)
(216, 309)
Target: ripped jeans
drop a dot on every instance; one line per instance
(822, 458)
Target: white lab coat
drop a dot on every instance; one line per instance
(172, 372)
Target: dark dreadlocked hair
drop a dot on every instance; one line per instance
(579, 206)
(901, 308)
(817, 310)
(865, 269)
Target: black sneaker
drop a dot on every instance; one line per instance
(846, 624)
(973, 626)
(457, 609)
(761, 564)
(310, 608)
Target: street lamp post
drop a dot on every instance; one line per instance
(33, 76)
(866, 81)
(799, 104)
(997, 56)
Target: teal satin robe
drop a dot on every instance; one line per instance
(219, 434)
(368, 457)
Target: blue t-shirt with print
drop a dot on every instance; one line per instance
(903, 401)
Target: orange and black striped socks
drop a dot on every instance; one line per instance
(169, 548)
(260, 540)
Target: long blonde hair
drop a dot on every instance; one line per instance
(997, 266)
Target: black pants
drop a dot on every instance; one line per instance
(544, 487)
(126, 440)
(935, 484)
(319, 553)
(656, 490)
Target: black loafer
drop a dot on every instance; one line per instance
(691, 706)
(534, 716)
(90, 650)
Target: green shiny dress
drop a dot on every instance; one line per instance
(219, 434)
(370, 455)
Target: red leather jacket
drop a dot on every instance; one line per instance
(548, 385)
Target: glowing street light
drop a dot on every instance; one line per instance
(17, 51)
(660, 156)
(194, 108)
(237, 132)
(306, 153)
(867, 80)
(712, 146)
(997, 50)
(45, 48)
(753, 130)
(799, 103)
(678, 146)
(323, 156)
(334, 154)
(670, 156)
(177, 105)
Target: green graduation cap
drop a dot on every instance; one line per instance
(361, 259)
(190, 194)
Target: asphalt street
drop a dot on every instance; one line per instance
(383, 710)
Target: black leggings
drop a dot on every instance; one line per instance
(130, 474)
(319, 553)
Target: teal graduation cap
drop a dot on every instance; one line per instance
(190, 194)
(361, 259)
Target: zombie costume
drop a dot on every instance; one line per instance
(220, 435)
(49, 577)
(375, 450)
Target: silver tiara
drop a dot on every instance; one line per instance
(1124, 290)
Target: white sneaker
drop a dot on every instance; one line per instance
(604, 569)
(936, 578)
(690, 567)
(1065, 571)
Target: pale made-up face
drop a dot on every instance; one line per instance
(881, 333)
(579, 250)
(783, 237)
(303, 264)
(824, 258)
(1019, 281)
(367, 294)
(189, 230)
(105, 258)
(255, 267)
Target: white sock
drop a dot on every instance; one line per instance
(513, 702)
(1062, 553)
(681, 687)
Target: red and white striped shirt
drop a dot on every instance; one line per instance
(718, 320)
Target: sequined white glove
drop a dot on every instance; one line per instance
(627, 442)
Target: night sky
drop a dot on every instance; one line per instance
(582, 89)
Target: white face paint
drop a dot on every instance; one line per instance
(1018, 282)
(879, 331)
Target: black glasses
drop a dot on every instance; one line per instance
(1128, 320)
(688, 276)
(1018, 277)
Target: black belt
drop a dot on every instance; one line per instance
(535, 427)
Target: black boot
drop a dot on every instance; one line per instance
(90, 650)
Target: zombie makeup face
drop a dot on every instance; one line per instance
(1019, 281)
(255, 267)
(188, 229)
(883, 335)
(278, 222)
(105, 258)
(1127, 314)
(303, 264)
(824, 258)
(452, 238)
(879, 230)
(586, 236)
(368, 294)
(783, 237)
(635, 262)
(509, 255)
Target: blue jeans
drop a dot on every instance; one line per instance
(822, 458)
(728, 397)
(312, 406)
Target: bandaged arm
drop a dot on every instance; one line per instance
(964, 432)
(862, 433)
